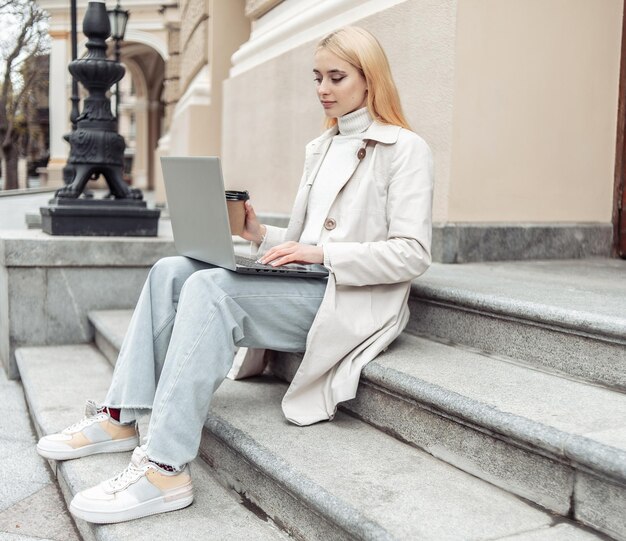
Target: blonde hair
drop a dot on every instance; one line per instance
(363, 51)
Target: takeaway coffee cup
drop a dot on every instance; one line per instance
(235, 202)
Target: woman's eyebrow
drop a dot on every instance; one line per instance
(331, 71)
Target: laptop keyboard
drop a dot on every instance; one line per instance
(294, 269)
(251, 263)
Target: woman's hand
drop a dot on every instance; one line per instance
(253, 230)
(293, 252)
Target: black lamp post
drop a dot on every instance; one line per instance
(118, 18)
(96, 149)
(68, 170)
(75, 98)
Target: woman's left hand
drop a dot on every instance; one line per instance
(293, 252)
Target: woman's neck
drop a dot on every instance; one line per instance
(355, 122)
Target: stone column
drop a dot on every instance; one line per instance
(59, 88)
(171, 94)
(140, 109)
(155, 113)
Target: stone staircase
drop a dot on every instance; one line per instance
(499, 414)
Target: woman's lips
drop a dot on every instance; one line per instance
(328, 104)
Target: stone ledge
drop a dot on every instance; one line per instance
(48, 284)
(584, 296)
(33, 248)
(474, 242)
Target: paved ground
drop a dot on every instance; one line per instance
(31, 508)
(14, 207)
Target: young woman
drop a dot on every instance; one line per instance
(363, 209)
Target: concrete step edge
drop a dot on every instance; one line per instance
(107, 339)
(591, 455)
(245, 471)
(343, 515)
(586, 324)
(588, 455)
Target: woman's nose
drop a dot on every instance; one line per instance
(322, 88)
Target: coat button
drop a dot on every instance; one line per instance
(330, 224)
(361, 154)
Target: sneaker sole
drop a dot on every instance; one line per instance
(145, 509)
(114, 446)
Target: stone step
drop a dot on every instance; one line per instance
(347, 480)
(562, 316)
(534, 434)
(557, 442)
(110, 328)
(57, 380)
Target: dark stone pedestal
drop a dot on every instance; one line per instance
(99, 217)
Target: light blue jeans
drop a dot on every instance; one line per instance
(182, 338)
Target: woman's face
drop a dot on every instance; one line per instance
(340, 86)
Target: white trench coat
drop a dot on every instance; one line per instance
(376, 238)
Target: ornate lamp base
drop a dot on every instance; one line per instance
(99, 217)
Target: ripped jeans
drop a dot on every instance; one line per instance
(182, 338)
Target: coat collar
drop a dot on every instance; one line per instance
(381, 133)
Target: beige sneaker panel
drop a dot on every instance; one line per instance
(118, 431)
(167, 482)
(78, 440)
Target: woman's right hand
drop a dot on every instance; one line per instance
(253, 230)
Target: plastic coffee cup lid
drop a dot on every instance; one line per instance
(233, 195)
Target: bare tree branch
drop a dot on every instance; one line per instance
(19, 50)
(17, 104)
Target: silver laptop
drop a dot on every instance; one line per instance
(197, 206)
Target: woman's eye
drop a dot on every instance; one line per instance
(318, 80)
(337, 79)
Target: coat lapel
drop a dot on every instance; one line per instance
(342, 175)
(314, 157)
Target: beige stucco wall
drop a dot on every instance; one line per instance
(228, 28)
(205, 50)
(535, 110)
(271, 110)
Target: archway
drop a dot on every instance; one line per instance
(141, 109)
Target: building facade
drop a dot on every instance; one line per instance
(517, 99)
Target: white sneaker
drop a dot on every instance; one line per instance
(96, 433)
(142, 489)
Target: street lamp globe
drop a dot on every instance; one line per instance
(118, 18)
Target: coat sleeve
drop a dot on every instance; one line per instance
(406, 252)
(273, 236)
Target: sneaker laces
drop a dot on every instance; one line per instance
(93, 414)
(130, 475)
(139, 463)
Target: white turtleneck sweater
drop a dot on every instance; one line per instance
(351, 128)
